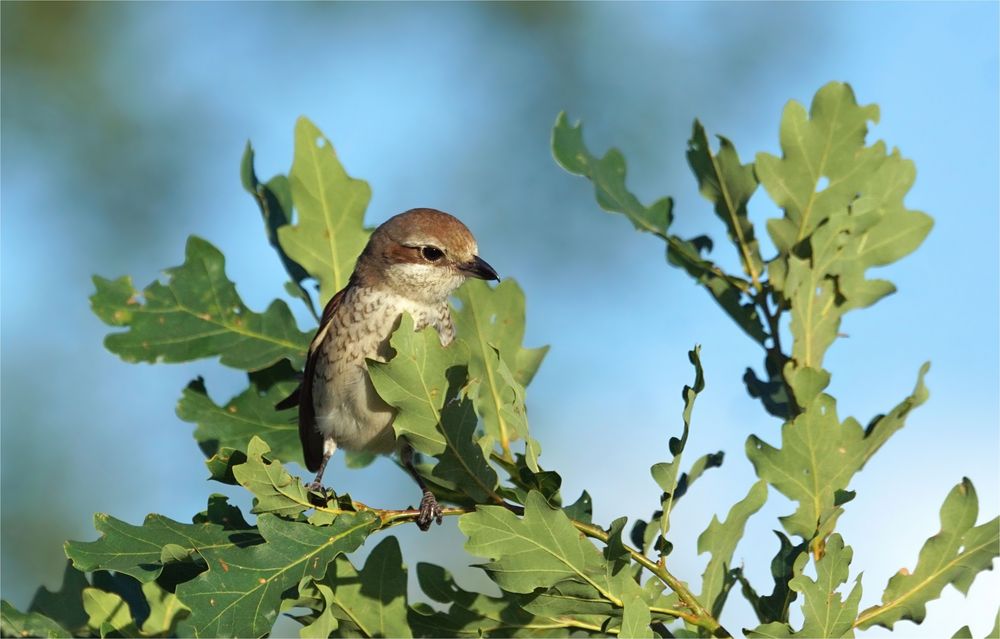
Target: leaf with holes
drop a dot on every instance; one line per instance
(819, 456)
(196, 314)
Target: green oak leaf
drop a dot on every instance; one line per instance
(953, 556)
(249, 414)
(665, 473)
(416, 381)
(329, 232)
(274, 198)
(165, 611)
(820, 455)
(491, 323)
(540, 550)
(196, 314)
(729, 185)
(15, 623)
(829, 143)
(371, 602)
(240, 593)
(472, 614)
(107, 613)
(832, 234)
(493, 318)
(65, 605)
(825, 614)
(720, 540)
(636, 619)
(142, 551)
(608, 176)
(462, 462)
(275, 490)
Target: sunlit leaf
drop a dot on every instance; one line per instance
(729, 185)
(107, 612)
(196, 314)
(328, 234)
(819, 456)
(720, 540)
(959, 552)
(372, 600)
(240, 593)
(142, 551)
(416, 382)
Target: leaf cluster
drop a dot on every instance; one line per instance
(463, 408)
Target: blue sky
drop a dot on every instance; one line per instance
(451, 106)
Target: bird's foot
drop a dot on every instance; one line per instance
(317, 487)
(429, 511)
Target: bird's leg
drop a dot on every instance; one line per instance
(429, 508)
(329, 447)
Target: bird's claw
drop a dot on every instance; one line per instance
(316, 487)
(430, 511)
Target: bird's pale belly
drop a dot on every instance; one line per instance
(347, 407)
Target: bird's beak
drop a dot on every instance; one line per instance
(478, 267)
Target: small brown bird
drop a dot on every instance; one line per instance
(412, 263)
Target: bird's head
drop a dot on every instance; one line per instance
(422, 254)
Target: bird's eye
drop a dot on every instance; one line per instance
(431, 253)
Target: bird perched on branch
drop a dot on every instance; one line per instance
(412, 263)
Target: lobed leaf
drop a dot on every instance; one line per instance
(825, 613)
(541, 549)
(819, 456)
(370, 602)
(831, 235)
(720, 540)
(491, 323)
(240, 593)
(65, 605)
(329, 232)
(15, 623)
(275, 490)
(472, 614)
(249, 414)
(196, 314)
(729, 185)
(142, 551)
(416, 382)
(959, 552)
(608, 176)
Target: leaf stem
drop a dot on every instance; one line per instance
(701, 616)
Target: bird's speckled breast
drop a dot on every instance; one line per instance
(347, 407)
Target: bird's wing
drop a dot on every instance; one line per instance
(312, 440)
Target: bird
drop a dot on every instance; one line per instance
(412, 263)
